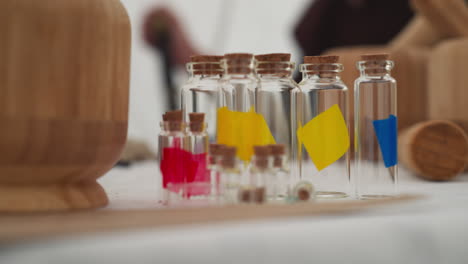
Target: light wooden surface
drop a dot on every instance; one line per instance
(34, 226)
(64, 77)
(434, 150)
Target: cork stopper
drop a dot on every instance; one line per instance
(215, 149)
(375, 57)
(277, 150)
(228, 156)
(196, 126)
(274, 57)
(206, 64)
(303, 194)
(238, 56)
(262, 151)
(321, 59)
(197, 117)
(165, 118)
(173, 115)
(205, 58)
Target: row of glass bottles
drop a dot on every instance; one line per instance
(310, 119)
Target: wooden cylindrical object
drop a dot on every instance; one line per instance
(435, 150)
(64, 77)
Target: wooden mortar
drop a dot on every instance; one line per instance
(64, 77)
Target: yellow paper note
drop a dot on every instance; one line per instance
(325, 137)
(242, 130)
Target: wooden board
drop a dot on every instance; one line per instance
(15, 227)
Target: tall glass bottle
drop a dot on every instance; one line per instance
(201, 93)
(375, 114)
(273, 98)
(322, 114)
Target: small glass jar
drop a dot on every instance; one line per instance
(375, 114)
(273, 98)
(230, 175)
(254, 187)
(279, 182)
(322, 91)
(173, 155)
(201, 92)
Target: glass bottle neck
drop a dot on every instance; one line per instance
(321, 76)
(322, 72)
(375, 69)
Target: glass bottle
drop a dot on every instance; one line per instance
(230, 174)
(173, 154)
(279, 182)
(322, 108)
(375, 114)
(254, 189)
(214, 157)
(273, 97)
(201, 93)
(198, 185)
(239, 82)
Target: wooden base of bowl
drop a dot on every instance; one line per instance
(37, 198)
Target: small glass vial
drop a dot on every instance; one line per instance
(198, 185)
(214, 157)
(279, 182)
(375, 115)
(239, 82)
(173, 154)
(321, 91)
(201, 93)
(230, 174)
(273, 97)
(254, 189)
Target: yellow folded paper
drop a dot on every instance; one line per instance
(325, 137)
(242, 130)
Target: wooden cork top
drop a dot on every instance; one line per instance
(228, 156)
(262, 150)
(378, 56)
(173, 116)
(216, 149)
(197, 117)
(277, 149)
(321, 59)
(238, 56)
(205, 58)
(274, 57)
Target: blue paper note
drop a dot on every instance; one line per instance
(386, 132)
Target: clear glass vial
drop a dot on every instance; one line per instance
(255, 186)
(320, 89)
(198, 178)
(173, 154)
(273, 97)
(375, 95)
(201, 93)
(230, 174)
(279, 182)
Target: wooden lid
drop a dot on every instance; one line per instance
(262, 150)
(215, 149)
(205, 58)
(197, 117)
(377, 56)
(274, 57)
(277, 149)
(173, 115)
(238, 56)
(321, 59)
(196, 126)
(438, 150)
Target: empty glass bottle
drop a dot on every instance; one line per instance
(375, 115)
(279, 181)
(273, 97)
(230, 174)
(201, 93)
(322, 126)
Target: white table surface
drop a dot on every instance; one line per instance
(431, 230)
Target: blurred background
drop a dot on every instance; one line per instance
(300, 27)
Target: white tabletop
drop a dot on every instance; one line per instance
(431, 230)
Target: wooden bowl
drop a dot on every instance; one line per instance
(64, 77)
